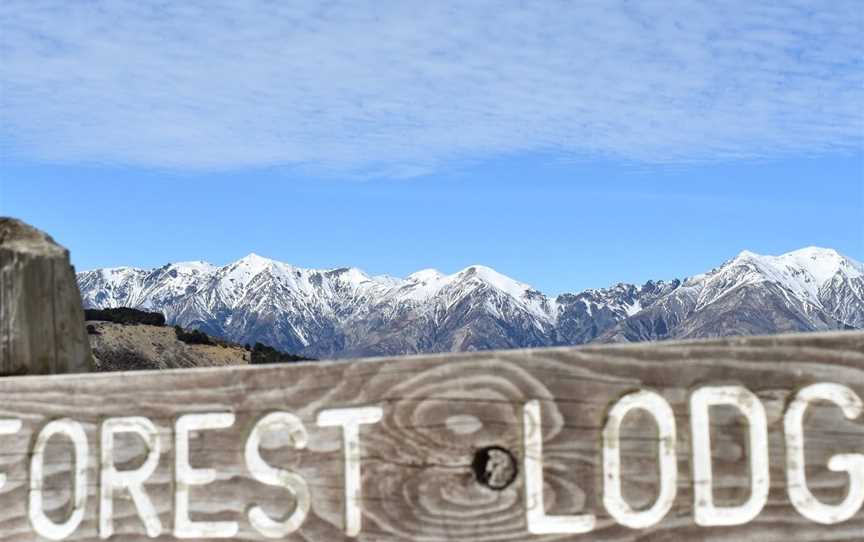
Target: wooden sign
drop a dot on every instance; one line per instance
(758, 439)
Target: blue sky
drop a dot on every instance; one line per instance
(568, 145)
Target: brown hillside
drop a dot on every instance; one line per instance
(119, 347)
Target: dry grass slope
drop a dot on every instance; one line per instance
(119, 347)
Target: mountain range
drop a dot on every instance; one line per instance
(346, 313)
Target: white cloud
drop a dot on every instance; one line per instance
(404, 87)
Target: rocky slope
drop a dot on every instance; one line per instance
(346, 313)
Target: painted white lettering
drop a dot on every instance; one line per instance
(612, 497)
(705, 512)
(350, 419)
(41, 523)
(131, 480)
(266, 474)
(535, 513)
(186, 476)
(853, 464)
(8, 427)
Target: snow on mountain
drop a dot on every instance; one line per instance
(111, 287)
(345, 312)
(810, 279)
(428, 282)
(802, 273)
(809, 289)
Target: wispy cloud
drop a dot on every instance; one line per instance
(403, 87)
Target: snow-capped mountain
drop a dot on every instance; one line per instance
(811, 289)
(345, 312)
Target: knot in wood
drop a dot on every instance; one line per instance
(495, 467)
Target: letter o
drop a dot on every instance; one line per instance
(613, 500)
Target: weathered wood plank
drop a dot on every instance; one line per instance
(418, 463)
(41, 319)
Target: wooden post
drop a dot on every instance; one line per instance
(41, 319)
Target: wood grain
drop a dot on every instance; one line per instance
(41, 320)
(417, 477)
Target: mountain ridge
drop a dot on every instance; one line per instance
(344, 312)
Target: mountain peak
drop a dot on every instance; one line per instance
(502, 282)
(253, 264)
(244, 270)
(822, 264)
(803, 272)
(253, 258)
(815, 252)
(746, 255)
(351, 275)
(196, 266)
(426, 275)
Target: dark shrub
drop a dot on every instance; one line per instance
(91, 330)
(261, 354)
(192, 336)
(125, 315)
